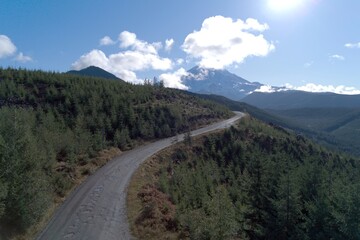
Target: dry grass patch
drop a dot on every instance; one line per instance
(151, 213)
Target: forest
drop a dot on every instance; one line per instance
(252, 181)
(52, 123)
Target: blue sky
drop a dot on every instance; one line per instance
(310, 44)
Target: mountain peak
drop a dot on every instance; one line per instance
(198, 69)
(219, 82)
(93, 71)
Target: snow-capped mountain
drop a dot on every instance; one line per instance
(219, 82)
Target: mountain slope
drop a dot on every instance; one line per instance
(249, 182)
(219, 82)
(299, 99)
(336, 128)
(93, 71)
(340, 124)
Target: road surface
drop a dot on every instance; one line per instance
(97, 208)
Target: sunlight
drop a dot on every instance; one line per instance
(284, 5)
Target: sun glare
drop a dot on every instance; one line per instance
(284, 5)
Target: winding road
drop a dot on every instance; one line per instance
(97, 208)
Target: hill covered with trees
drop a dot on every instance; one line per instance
(334, 128)
(51, 124)
(253, 181)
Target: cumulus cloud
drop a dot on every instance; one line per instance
(95, 57)
(169, 43)
(136, 55)
(352, 45)
(223, 41)
(337, 57)
(266, 89)
(23, 58)
(311, 87)
(174, 80)
(106, 41)
(7, 47)
(129, 40)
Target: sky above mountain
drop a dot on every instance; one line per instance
(304, 44)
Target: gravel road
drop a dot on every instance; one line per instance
(97, 208)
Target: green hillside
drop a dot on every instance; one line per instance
(299, 99)
(52, 125)
(252, 181)
(335, 128)
(340, 125)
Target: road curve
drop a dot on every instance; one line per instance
(97, 208)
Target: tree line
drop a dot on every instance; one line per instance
(255, 181)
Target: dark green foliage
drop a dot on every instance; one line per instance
(27, 192)
(51, 123)
(256, 182)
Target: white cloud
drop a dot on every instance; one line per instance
(95, 57)
(352, 45)
(266, 89)
(311, 87)
(169, 43)
(23, 58)
(98, 58)
(136, 61)
(7, 48)
(174, 80)
(106, 41)
(137, 55)
(337, 57)
(222, 41)
(129, 40)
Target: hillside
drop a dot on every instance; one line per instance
(299, 99)
(343, 124)
(253, 111)
(55, 129)
(253, 181)
(335, 128)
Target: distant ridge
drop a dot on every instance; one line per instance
(300, 99)
(93, 71)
